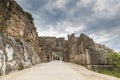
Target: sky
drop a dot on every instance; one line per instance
(99, 19)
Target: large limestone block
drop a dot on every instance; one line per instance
(96, 57)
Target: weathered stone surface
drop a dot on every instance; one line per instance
(85, 51)
(16, 56)
(98, 68)
(17, 24)
(80, 50)
(19, 45)
(50, 45)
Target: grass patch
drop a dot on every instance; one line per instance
(114, 72)
(114, 60)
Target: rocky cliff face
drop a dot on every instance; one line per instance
(83, 50)
(19, 46)
(16, 23)
(15, 55)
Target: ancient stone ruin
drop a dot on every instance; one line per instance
(53, 46)
(21, 47)
(81, 50)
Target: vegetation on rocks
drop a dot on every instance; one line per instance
(29, 16)
(21, 67)
(18, 40)
(114, 60)
(15, 27)
(3, 27)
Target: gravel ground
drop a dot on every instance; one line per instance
(57, 70)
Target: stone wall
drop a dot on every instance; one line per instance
(46, 43)
(83, 50)
(19, 45)
(50, 44)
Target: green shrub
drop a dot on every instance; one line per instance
(114, 59)
(29, 16)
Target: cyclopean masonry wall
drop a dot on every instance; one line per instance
(19, 45)
(52, 44)
(81, 50)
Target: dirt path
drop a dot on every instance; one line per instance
(57, 70)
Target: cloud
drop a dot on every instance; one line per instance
(70, 28)
(61, 3)
(100, 19)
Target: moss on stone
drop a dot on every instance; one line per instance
(3, 26)
(18, 39)
(21, 67)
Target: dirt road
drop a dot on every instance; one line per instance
(57, 70)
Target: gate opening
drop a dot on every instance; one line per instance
(57, 55)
